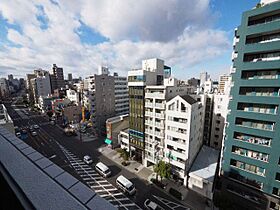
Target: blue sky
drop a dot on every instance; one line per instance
(191, 36)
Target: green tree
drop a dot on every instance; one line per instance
(124, 154)
(163, 170)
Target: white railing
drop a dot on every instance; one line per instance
(159, 106)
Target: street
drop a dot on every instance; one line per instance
(67, 152)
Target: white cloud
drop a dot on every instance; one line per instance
(179, 32)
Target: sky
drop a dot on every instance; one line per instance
(190, 36)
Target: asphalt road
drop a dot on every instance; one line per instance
(67, 152)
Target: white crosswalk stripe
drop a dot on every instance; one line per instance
(96, 182)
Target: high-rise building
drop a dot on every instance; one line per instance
(121, 95)
(151, 73)
(99, 98)
(10, 77)
(57, 78)
(40, 85)
(251, 157)
(70, 78)
(204, 76)
(4, 88)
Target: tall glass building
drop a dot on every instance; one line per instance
(251, 153)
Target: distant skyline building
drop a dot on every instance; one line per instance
(70, 78)
(222, 81)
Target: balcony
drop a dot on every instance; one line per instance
(256, 124)
(252, 139)
(159, 125)
(149, 105)
(159, 134)
(159, 106)
(250, 154)
(149, 114)
(155, 95)
(232, 70)
(159, 115)
(149, 122)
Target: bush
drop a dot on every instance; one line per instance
(175, 193)
(119, 150)
(158, 183)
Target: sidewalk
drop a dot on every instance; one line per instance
(134, 167)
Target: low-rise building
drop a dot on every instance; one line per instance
(72, 114)
(203, 171)
(113, 127)
(45, 103)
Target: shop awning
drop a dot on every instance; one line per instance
(108, 141)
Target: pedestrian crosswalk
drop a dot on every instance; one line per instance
(99, 184)
(170, 204)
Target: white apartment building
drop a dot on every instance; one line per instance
(220, 111)
(183, 134)
(121, 95)
(155, 105)
(123, 139)
(73, 96)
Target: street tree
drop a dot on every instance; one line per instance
(163, 170)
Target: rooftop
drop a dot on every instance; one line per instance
(205, 164)
(189, 99)
(39, 183)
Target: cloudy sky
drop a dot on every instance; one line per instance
(80, 35)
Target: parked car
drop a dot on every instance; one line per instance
(52, 122)
(18, 134)
(102, 169)
(36, 126)
(151, 205)
(34, 133)
(125, 185)
(87, 159)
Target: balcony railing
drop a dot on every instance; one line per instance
(159, 115)
(159, 106)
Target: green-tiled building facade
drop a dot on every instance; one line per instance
(251, 156)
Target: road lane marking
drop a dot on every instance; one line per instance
(99, 183)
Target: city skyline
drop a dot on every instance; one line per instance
(72, 36)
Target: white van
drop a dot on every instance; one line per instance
(125, 185)
(102, 169)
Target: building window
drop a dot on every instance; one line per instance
(276, 191)
(252, 139)
(277, 177)
(274, 206)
